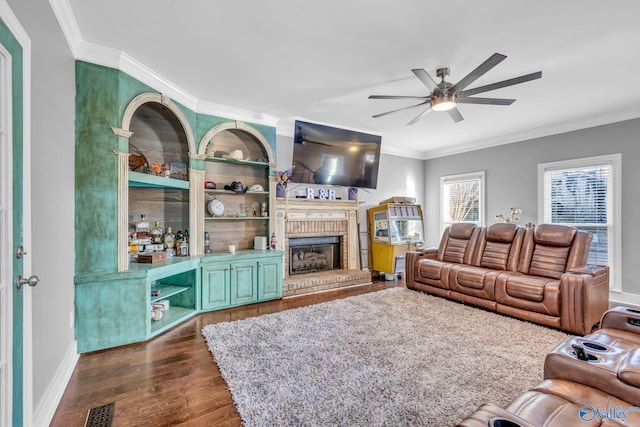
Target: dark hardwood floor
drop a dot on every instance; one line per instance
(170, 379)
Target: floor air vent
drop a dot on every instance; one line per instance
(100, 416)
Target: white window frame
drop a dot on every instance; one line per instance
(449, 179)
(615, 247)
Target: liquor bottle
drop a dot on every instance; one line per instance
(182, 248)
(142, 228)
(170, 242)
(157, 233)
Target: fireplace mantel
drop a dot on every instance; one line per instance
(313, 217)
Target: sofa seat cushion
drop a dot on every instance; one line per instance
(533, 293)
(629, 370)
(433, 272)
(475, 281)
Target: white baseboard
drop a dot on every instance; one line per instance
(626, 299)
(47, 407)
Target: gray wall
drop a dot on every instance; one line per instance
(52, 184)
(512, 180)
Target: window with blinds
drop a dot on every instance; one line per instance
(583, 194)
(462, 199)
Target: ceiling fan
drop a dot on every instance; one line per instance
(445, 96)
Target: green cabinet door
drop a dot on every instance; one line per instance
(270, 279)
(216, 289)
(244, 283)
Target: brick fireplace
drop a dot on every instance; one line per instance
(306, 218)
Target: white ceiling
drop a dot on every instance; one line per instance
(319, 60)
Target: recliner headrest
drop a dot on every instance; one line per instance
(501, 233)
(554, 235)
(461, 230)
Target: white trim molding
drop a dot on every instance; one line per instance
(109, 57)
(47, 407)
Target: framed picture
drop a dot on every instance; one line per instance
(179, 171)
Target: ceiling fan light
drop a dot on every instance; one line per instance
(444, 103)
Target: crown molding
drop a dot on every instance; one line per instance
(68, 24)
(113, 58)
(540, 132)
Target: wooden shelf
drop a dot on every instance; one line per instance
(233, 193)
(236, 162)
(234, 218)
(138, 179)
(167, 291)
(171, 317)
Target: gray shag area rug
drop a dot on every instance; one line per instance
(389, 358)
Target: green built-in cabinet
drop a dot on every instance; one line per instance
(113, 298)
(231, 280)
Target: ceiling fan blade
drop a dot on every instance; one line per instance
(419, 116)
(400, 109)
(397, 97)
(486, 101)
(504, 83)
(425, 78)
(493, 60)
(455, 115)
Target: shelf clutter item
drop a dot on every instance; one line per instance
(152, 257)
(260, 243)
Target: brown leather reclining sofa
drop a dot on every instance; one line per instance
(539, 274)
(601, 388)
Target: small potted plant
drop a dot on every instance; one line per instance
(282, 181)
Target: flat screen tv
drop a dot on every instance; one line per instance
(332, 156)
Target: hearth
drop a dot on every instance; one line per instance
(312, 254)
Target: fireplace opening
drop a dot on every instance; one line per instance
(311, 254)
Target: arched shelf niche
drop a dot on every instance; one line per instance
(157, 128)
(243, 134)
(234, 151)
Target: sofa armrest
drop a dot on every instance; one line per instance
(487, 412)
(410, 265)
(623, 318)
(585, 298)
(431, 253)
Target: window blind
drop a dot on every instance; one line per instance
(582, 197)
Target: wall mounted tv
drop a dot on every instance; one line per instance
(331, 156)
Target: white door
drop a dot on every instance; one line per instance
(6, 290)
(16, 390)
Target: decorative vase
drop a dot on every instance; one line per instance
(281, 190)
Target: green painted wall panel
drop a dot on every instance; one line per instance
(96, 167)
(111, 313)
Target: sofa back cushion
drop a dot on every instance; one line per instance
(499, 246)
(547, 249)
(458, 243)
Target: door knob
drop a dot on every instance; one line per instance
(31, 281)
